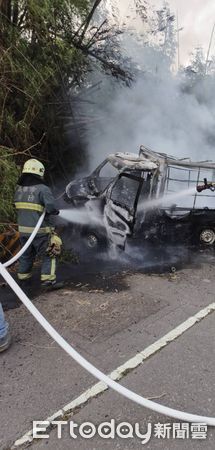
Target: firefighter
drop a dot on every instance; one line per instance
(32, 196)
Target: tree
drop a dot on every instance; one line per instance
(35, 67)
(46, 49)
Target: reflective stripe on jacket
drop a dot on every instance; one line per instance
(30, 202)
(31, 206)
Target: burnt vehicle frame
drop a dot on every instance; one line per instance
(152, 175)
(78, 191)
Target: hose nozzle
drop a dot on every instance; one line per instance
(205, 186)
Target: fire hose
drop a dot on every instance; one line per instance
(27, 244)
(206, 186)
(161, 409)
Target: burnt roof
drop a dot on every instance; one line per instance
(163, 158)
(131, 161)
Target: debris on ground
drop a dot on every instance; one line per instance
(9, 243)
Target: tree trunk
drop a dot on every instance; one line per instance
(5, 9)
(88, 19)
(15, 12)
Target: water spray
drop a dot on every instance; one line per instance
(150, 204)
(82, 216)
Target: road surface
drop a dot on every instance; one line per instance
(109, 320)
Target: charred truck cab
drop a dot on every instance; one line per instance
(126, 191)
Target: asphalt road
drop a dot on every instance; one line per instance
(109, 324)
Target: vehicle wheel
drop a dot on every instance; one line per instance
(207, 236)
(93, 241)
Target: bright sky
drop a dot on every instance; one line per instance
(196, 16)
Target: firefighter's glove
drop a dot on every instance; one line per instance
(55, 244)
(202, 188)
(54, 212)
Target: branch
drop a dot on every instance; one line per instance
(115, 69)
(12, 152)
(91, 41)
(88, 20)
(15, 12)
(3, 109)
(22, 17)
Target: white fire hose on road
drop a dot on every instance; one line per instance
(183, 416)
(27, 244)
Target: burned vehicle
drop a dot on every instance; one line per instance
(153, 198)
(79, 191)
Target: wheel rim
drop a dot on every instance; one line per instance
(92, 241)
(207, 237)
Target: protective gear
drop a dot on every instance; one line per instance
(35, 167)
(30, 202)
(32, 196)
(49, 284)
(37, 248)
(54, 247)
(52, 285)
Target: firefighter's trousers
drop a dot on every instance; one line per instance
(37, 249)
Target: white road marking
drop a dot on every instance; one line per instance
(118, 373)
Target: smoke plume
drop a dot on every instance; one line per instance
(167, 112)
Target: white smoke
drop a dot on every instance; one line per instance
(161, 110)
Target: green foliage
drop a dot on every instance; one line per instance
(46, 49)
(8, 176)
(37, 65)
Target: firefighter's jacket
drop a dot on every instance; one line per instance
(30, 202)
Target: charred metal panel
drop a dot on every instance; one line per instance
(141, 179)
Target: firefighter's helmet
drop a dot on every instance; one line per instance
(35, 167)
